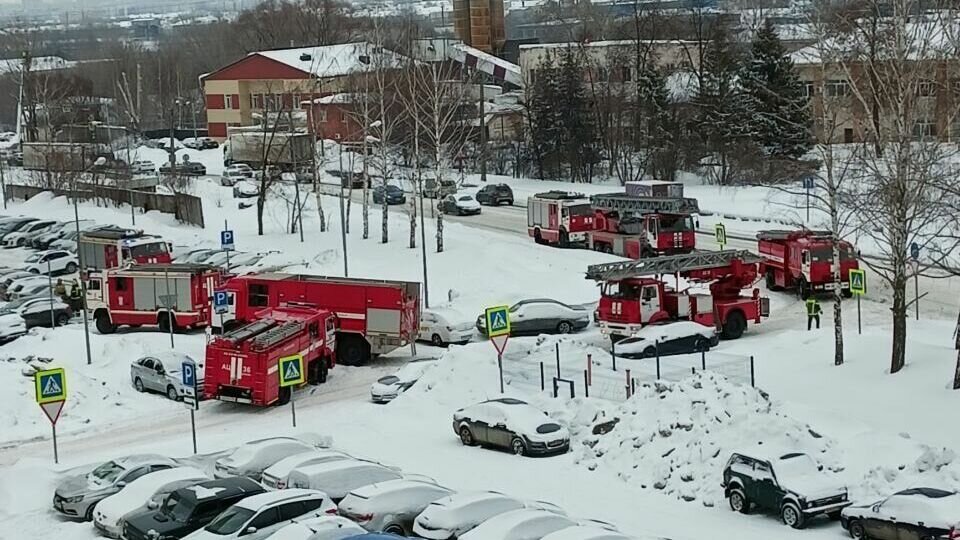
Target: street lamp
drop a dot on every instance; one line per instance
(100, 162)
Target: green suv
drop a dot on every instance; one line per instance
(789, 483)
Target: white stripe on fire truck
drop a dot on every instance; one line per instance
(344, 315)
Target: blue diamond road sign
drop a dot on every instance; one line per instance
(221, 302)
(226, 240)
(51, 385)
(188, 372)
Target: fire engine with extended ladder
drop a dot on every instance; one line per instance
(637, 226)
(242, 365)
(634, 294)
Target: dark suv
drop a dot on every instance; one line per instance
(188, 509)
(495, 195)
(786, 482)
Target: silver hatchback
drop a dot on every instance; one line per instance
(161, 373)
(76, 496)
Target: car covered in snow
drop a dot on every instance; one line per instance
(460, 204)
(252, 458)
(443, 326)
(918, 513)
(542, 316)
(338, 478)
(784, 481)
(242, 168)
(511, 424)
(321, 528)
(148, 490)
(681, 337)
(187, 509)
(276, 475)
(390, 506)
(230, 178)
(245, 189)
(586, 532)
(452, 516)
(76, 496)
(24, 236)
(55, 261)
(259, 516)
(388, 387)
(35, 310)
(160, 372)
(524, 524)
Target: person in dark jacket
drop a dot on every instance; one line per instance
(813, 312)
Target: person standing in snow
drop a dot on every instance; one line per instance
(813, 312)
(60, 290)
(76, 300)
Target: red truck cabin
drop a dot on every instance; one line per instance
(112, 247)
(559, 217)
(139, 295)
(373, 316)
(804, 260)
(242, 365)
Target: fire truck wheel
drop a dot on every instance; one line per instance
(104, 326)
(284, 396)
(846, 293)
(537, 237)
(734, 326)
(138, 384)
(324, 370)
(771, 281)
(564, 238)
(353, 350)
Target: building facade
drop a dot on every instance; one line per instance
(480, 24)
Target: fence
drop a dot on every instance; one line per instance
(186, 208)
(600, 374)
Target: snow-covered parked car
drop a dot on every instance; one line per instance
(276, 475)
(338, 478)
(321, 528)
(55, 261)
(681, 337)
(231, 178)
(148, 490)
(390, 506)
(784, 481)
(460, 204)
(923, 513)
(259, 516)
(245, 190)
(161, 373)
(35, 310)
(442, 326)
(388, 387)
(525, 524)
(29, 231)
(77, 496)
(252, 458)
(542, 316)
(143, 167)
(451, 517)
(511, 424)
(586, 532)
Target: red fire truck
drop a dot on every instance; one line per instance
(559, 217)
(113, 247)
(144, 295)
(636, 226)
(804, 260)
(242, 365)
(636, 293)
(373, 316)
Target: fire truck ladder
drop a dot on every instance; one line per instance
(658, 266)
(777, 234)
(645, 205)
(276, 335)
(249, 330)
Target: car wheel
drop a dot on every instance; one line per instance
(395, 529)
(436, 340)
(738, 502)
(71, 268)
(564, 327)
(702, 344)
(20, 242)
(138, 384)
(856, 530)
(172, 393)
(89, 515)
(518, 447)
(466, 437)
(34, 270)
(791, 516)
(650, 352)
(62, 319)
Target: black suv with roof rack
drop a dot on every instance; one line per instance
(188, 509)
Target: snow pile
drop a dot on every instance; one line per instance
(676, 438)
(933, 467)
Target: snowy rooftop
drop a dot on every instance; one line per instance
(928, 40)
(37, 63)
(335, 60)
(604, 43)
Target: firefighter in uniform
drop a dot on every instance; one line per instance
(813, 312)
(76, 298)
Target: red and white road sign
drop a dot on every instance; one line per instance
(500, 343)
(52, 410)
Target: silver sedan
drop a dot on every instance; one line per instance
(161, 373)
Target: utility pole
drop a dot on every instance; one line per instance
(343, 221)
(139, 93)
(483, 131)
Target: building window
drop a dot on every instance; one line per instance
(924, 129)
(296, 101)
(270, 102)
(227, 101)
(808, 90)
(322, 116)
(926, 88)
(533, 76)
(626, 74)
(280, 104)
(256, 101)
(836, 88)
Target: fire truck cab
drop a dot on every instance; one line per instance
(113, 247)
(242, 365)
(562, 218)
(636, 226)
(803, 260)
(634, 294)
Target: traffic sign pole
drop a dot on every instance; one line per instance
(498, 330)
(915, 255)
(226, 242)
(720, 233)
(291, 374)
(51, 393)
(188, 374)
(858, 287)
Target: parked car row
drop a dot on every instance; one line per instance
(240, 261)
(256, 494)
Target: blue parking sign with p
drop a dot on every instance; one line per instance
(220, 301)
(188, 372)
(226, 240)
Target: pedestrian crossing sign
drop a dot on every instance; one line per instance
(858, 282)
(291, 370)
(51, 385)
(498, 321)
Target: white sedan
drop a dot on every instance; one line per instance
(442, 326)
(57, 261)
(149, 488)
(520, 525)
(387, 388)
(252, 458)
(451, 517)
(586, 532)
(318, 528)
(461, 205)
(276, 475)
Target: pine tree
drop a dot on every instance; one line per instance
(781, 123)
(543, 110)
(578, 137)
(657, 130)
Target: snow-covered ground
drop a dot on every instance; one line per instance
(655, 473)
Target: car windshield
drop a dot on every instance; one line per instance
(389, 379)
(466, 198)
(33, 258)
(821, 254)
(229, 521)
(175, 508)
(107, 473)
(795, 466)
(146, 250)
(548, 428)
(578, 210)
